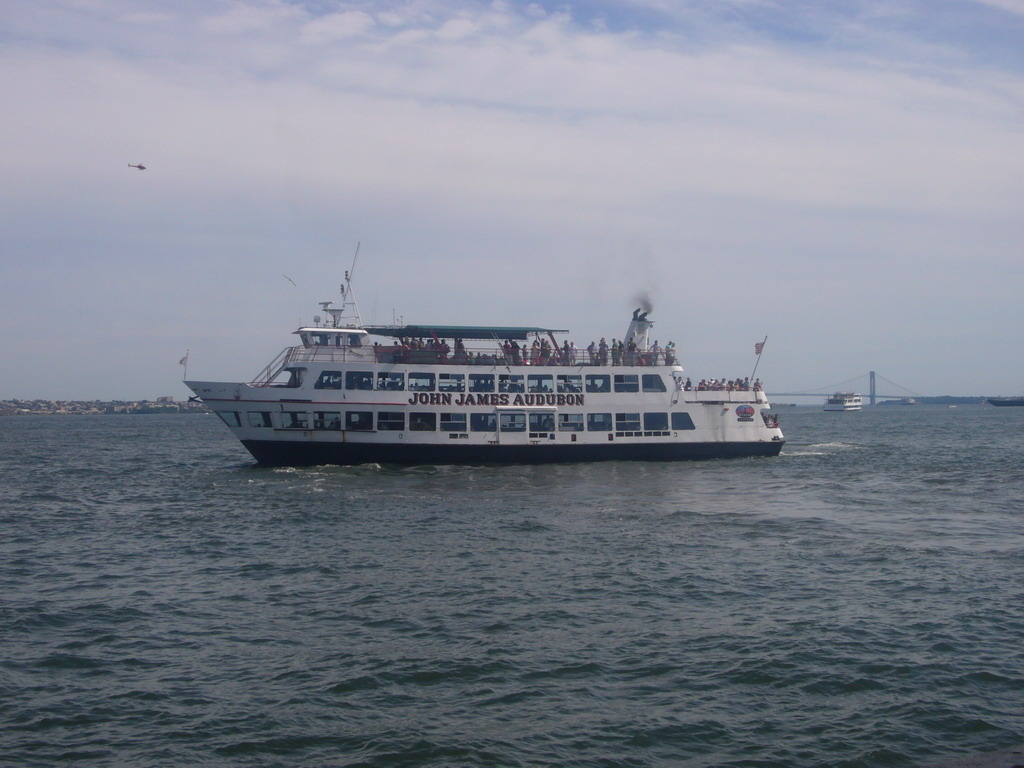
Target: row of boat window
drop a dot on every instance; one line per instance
(363, 421)
(425, 381)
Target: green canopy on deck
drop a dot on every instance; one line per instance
(458, 331)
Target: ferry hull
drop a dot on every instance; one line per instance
(291, 453)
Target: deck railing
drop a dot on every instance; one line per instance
(483, 356)
(395, 353)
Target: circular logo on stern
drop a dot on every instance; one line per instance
(744, 411)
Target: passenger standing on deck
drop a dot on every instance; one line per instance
(655, 353)
(602, 348)
(592, 352)
(572, 353)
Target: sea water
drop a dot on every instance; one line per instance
(856, 601)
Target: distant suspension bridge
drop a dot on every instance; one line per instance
(858, 385)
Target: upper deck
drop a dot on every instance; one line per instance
(345, 341)
(445, 346)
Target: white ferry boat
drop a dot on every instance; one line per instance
(441, 394)
(843, 401)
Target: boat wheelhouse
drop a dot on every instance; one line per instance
(843, 401)
(443, 394)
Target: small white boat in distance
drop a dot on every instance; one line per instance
(843, 401)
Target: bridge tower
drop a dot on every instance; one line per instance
(871, 386)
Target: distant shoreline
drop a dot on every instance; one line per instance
(97, 407)
(923, 400)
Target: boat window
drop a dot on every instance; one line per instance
(682, 420)
(359, 420)
(328, 380)
(481, 382)
(627, 422)
(321, 339)
(570, 383)
(542, 422)
(295, 420)
(570, 422)
(599, 422)
(451, 382)
(327, 420)
(656, 421)
(390, 421)
(652, 382)
(453, 422)
(422, 422)
(393, 382)
(513, 422)
(421, 382)
(260, 419)
(294, 377)
(598, 383)
(510, 382)
(482, 422)
(230, 418)
(358, 380)
(539, 382)
(355, 340)
(626, 382)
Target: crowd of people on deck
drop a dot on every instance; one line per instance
(540, 352)
(628, 353)
(724, 385)
(544, 353)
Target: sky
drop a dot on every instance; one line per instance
(845, 178)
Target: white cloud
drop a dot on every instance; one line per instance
(457, 29)
(243, 17)
(336, 26)
(1012, 6)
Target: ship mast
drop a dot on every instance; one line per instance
(348, 313)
